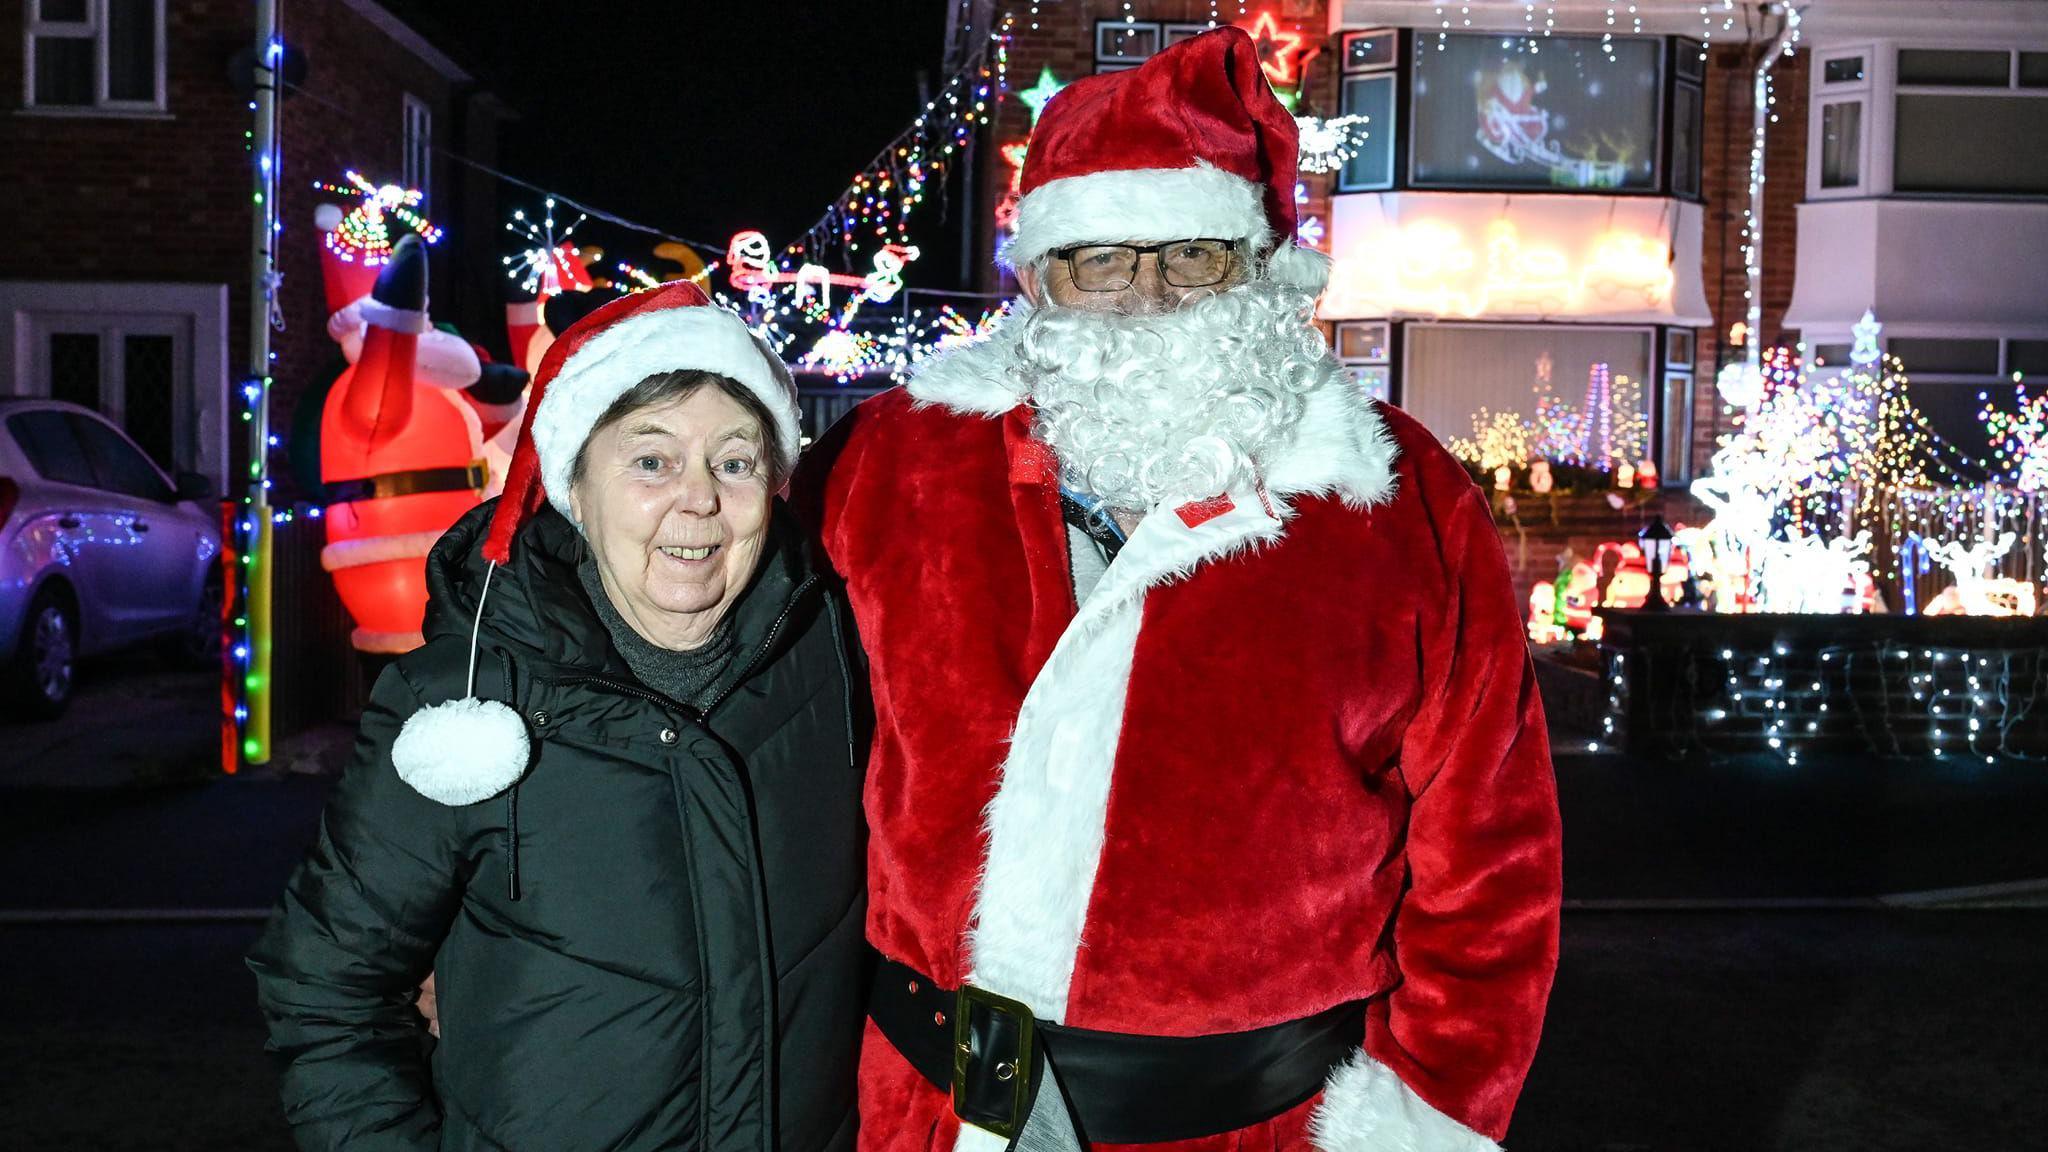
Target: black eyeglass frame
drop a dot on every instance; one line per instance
(1139, 252)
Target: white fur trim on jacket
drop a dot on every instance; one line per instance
(1046, 823)
(461, 751)
(703, 337)
(1366, 1108)
(1148, 204)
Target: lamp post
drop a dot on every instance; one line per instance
(1655, 540)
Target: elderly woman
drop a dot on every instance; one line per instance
(613, 804)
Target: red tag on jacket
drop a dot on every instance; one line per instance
(1200, 512)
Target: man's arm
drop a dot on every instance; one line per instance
(1475, 937)
(357, 929)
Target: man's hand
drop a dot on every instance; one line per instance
(427, 1008)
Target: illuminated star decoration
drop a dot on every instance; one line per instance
(365, 231)
(1865, 332)
(1311, 232)
(1035, 97)
(1278, 51)
(543, 267)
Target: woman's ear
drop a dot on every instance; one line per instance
(576, 505)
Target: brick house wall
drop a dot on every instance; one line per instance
(1724, 164)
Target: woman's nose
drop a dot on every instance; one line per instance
(697, 491)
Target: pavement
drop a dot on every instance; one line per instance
(1753, 957)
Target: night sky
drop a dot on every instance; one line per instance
(695, 117)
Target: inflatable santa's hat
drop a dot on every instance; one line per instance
(1191, 144)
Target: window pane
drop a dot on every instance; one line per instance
(1954, 68)
(55, 454)
(2029, 357)
(1116, 40)
(1364, 51)
(1841, 144)
(1675, 460)
(75, 368)
(1843, 70)
(1685, 140)
(2034, 69)
(146, 402)
(1936, 356)
(61, 11)
(1831, 355)
(116, 464)
(131, 50)
(1453, 371)
(1555, 113)
(64, 71)
(1972, 144)
(1362, 342)
(1373, 166)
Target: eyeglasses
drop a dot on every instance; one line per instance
(1114, 267)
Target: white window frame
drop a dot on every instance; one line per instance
(1879, 91)
(417, 134)
(194, 314)
(1107, 61)
(94, 28)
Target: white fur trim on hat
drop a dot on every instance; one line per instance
(703, 338)
(461, 751)
(1148, 204)
(1304, 268)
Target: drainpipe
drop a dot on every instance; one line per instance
(1752, 252)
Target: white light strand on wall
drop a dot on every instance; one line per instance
(1762, 95)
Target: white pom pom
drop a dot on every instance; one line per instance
(327, 217)
(461, 751)
(1304, 268)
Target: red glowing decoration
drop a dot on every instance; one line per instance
(1279, 52)
(400, 457)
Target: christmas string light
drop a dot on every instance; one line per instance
(365, 233)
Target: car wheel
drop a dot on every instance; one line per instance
(45, 665)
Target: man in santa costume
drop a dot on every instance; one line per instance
(1210, 802)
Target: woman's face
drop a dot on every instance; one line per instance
(674, 501)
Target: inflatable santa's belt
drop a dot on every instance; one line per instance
(386, 485)
(990, 1053)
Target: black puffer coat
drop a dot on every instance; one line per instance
(652, 941)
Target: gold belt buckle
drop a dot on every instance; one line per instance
(1013, 1068)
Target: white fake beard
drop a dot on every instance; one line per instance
(1172, 407)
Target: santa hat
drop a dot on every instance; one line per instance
(1191, 143)
(465, 750)
(667, 329)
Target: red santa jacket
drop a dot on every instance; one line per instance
(1288, 755)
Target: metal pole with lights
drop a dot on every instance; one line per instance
(255, 517)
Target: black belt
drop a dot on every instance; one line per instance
(385, 485)
(991, 1054)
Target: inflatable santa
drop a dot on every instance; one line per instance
(401, 451)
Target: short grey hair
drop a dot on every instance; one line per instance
(667, 387)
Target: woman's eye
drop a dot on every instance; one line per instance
(648, 463)
(737, 466)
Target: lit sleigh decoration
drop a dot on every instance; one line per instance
(1516, 129)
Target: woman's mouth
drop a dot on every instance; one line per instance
(678, 552)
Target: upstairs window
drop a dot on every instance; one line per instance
(1970, 123)
(419, 144)
(94, 56)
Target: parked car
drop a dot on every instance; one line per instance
(99, 550)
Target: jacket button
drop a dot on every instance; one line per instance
(668, 736)
(540, 718)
